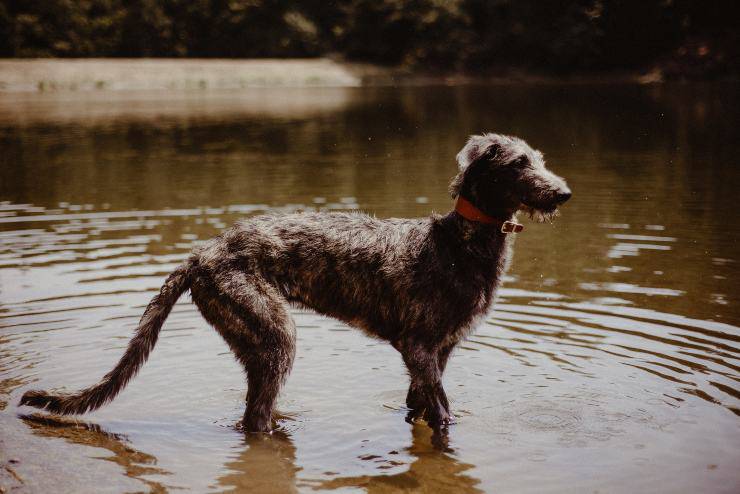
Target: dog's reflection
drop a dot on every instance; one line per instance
(267, 464)
(433, 469)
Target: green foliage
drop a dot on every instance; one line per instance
(473, 35)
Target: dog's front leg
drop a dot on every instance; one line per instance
(443, 356)
(415, 402)
(426, 395)
(415, 399)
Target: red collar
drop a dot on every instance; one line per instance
(467, 210)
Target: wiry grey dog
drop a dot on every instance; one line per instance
(420, 284)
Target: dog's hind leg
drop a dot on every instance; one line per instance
(252, 316)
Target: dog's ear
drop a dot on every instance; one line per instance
(477, 148)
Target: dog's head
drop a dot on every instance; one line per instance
(501, 175)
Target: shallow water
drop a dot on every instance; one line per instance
(610, 363)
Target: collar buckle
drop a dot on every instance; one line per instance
(511, 227)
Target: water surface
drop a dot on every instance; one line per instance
(611, 362)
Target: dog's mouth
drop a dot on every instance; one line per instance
(544, 208)
(541, 212)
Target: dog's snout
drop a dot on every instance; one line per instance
(563, 195)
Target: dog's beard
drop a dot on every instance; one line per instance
(540, 215)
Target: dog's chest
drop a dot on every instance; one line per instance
(477, 281)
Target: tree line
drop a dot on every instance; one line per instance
(433, 35)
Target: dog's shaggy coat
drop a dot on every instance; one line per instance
(420, 284)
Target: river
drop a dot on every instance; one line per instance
(610, 363)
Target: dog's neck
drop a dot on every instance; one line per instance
(503, 221)
(477, 250)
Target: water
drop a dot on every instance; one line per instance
(611, 362)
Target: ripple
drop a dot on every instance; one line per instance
(549, 418)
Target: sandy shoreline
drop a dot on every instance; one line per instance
(50, 75)
(167, 74)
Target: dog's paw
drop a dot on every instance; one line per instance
(439, 417)
(414, 415)
(449, 420)
(255, 425)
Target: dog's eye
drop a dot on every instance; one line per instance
(520, 161)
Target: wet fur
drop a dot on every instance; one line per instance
(420, 284)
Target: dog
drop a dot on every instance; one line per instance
(419, 284)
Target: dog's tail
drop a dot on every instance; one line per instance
(136, 354)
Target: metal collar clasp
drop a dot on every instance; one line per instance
(511, 227)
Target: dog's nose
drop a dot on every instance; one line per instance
(563, 196)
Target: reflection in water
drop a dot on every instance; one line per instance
(431, 469)
(104, 107)
(266, 464)
(611, 362)
(136, 464)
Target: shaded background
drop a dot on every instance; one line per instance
(682, 38)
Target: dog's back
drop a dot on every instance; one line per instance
(351, 266)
